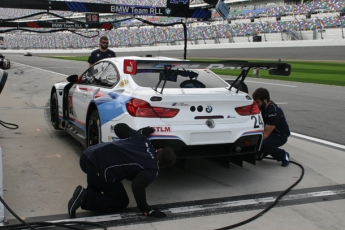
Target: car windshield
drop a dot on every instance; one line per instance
(205, 79)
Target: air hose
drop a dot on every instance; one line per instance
(9, 125)
(75, 225)
(271, 205)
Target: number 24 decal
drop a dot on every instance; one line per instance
(257, 121)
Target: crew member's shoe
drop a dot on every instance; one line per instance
(286, 160)
(76, 200)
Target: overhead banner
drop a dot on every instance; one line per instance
(178, 8)
(182, 4)
(57, 25)
(137, 10)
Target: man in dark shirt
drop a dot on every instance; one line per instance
(276, 130)
(107, 164)
(102, 52)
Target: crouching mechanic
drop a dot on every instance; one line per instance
(276, 129)
(107, 164)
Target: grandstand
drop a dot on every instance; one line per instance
(249, 21)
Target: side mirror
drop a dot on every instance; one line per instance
(73, 78)
(282, 70)
(3, 79)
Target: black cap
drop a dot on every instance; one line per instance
(122, 130)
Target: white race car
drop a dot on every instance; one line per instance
(192, 109)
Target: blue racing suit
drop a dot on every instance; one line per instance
(274, 115)
(107, 164)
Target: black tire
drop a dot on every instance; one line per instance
(93, 130)
(54, 111)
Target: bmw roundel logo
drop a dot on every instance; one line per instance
(167, 11)
(208, 108)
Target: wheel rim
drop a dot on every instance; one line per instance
(93, 137)
(53, 110)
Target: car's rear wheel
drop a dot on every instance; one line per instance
(54, 111)
(93, 129)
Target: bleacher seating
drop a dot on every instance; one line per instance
(325, 15)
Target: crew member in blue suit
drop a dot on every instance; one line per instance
(107, 164)
(276, 129)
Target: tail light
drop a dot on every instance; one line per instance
(140, 108)
(248, 109)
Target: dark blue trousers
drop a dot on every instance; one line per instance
(270, 146)
(101, 195)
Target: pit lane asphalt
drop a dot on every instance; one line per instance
(41, 171)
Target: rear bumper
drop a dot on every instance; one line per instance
(244, 145)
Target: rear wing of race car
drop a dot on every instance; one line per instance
(169, 66)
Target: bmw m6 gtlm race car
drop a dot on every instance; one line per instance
(192, 109)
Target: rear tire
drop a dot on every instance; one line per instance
(93, 130)
(54, 111)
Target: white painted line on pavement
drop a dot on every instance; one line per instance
(293, 86)
(40, 69)
(253, 201)
(92, 218)
(173, 51)
(318, 140)
(205, 207)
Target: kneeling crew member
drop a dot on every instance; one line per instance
(276, 130)
(107, 164)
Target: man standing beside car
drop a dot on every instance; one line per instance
(107, 164)
(102, 52)
(276, 129)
